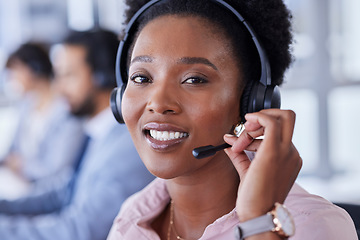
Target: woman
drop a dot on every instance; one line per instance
(48, 137)
(189, 65)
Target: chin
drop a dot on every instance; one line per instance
(162, 168)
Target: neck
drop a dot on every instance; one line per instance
(199, 200)
(44, 94)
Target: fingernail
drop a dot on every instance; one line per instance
(248, 115)
(229, 135)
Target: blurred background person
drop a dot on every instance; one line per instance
(108, 171)
(47, 137)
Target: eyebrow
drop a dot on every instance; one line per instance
(195, 60)
(184, 60)
(142, 59)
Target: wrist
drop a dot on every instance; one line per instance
(278, 220)
(248, 214)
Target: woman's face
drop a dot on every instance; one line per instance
(23, 77)
(183, 92)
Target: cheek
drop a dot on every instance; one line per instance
(72, 88)
(212, 118)
(83, 80)
(217, 113)
(25, 81)
(75, 88)
(215, 122)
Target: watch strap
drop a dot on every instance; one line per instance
(254, 226)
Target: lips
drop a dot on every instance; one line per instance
(163, 136)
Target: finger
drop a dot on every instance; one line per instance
(240, 161)
(271, 125)
(252, 126)
(254, 146)
(248, 144)
(287, 119)
(230, 139)
(245, 138)
(238, 144)
(254, 134)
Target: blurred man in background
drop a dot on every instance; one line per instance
(108, 171)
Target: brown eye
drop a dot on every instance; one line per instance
(195, 80)
(139, 79)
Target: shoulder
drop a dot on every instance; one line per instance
(152, 197)
(61, 118)
(119, 133)
(317, 218)
(138, 211)
(142, 207)
(59, 108)
(117, 151)
(118, 145)
(118, 138)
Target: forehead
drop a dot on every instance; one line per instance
(69, 56)
(18, 65)
(70, 51)
(183, 35)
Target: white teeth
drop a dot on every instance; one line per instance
(172, 135)
(166, 135)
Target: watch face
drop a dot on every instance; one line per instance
(285, 220)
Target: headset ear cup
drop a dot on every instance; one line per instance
(272, 97)
(245, 100)
(256, 97)
(115, 103)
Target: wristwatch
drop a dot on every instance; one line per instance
(278, 220)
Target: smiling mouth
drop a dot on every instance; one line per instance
(166, 135)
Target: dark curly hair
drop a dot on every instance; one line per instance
(35, 56)
(270, 19)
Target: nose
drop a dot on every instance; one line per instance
(164, 99)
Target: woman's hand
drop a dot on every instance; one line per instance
(269, 177)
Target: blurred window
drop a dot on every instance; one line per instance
(345, 40)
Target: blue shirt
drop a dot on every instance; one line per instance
(110, 172)
(46, 142)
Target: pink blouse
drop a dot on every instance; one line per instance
(315, 218)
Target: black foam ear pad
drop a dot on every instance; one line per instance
(256, 101)
(245, 99)
(115, 103)
(256, 97)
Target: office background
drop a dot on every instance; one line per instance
(322, 87)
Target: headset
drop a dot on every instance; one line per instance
(257, 95)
